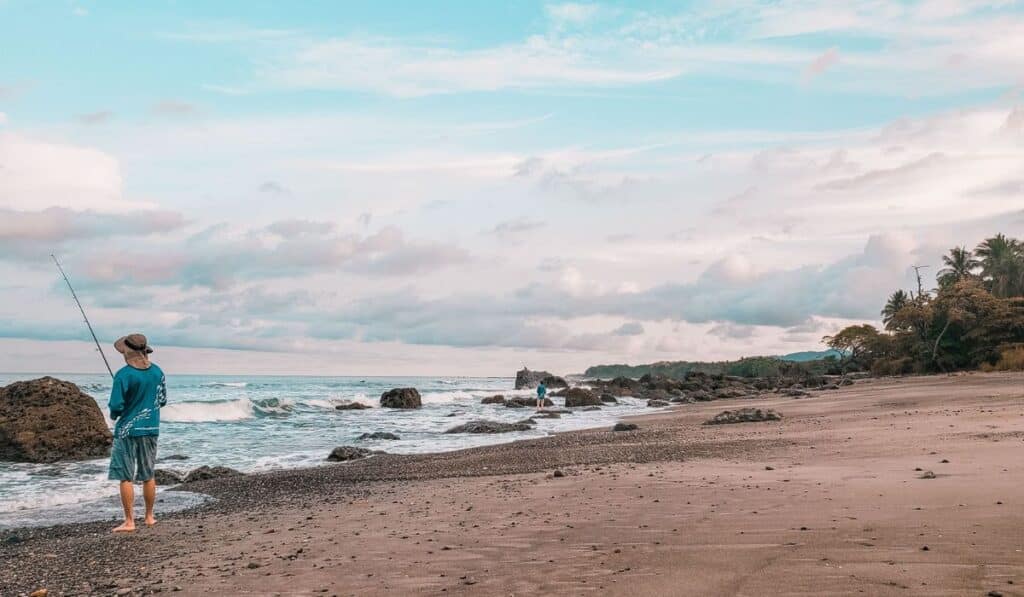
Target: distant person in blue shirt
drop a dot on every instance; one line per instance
(542, 392)
(135, 400)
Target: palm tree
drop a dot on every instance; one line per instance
(960, 265)
(1001, 264)
(897, 301)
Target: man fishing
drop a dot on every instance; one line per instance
(135, 400)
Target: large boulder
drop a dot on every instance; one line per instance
(49, 420)
(346, 453)
(401, 398)
(491, 427)
(744, 415)
(205, 473)
(498, 399)
(526, 379)
(581, 397)
(553, 381)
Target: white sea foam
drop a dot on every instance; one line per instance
(198, 412)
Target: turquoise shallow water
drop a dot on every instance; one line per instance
(256, 423)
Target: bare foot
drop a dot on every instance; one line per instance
(150, 520)
(126, 527)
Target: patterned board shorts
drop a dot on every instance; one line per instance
(133, 458)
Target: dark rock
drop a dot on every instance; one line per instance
(401, 398)
(352, 406)
(172, 457)
(625, 427)
(499, 399)
(625, 383)
(557, 474)
(608, 398)
(927, 475)
(553, 381)
(702, 396)
(49, 420)
(795, 393)
(346, 453)
(490, 427)
(658, 394)
(546, 415)
(590, 408)
(526, 401)
(657, 403)
(205, 473)
(581, 397)
(744, 415)
(526, 379)
(168, 477)
(379, 435)
(682, 400)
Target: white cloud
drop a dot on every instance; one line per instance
(40, 174)
(571, 12)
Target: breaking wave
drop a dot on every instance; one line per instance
(223, 410)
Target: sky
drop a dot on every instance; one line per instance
(464, 188)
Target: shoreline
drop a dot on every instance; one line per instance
(714, 483)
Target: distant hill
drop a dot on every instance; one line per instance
(811, 355)
(772, 366)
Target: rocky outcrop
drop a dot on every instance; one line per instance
(352, 406)
(575, 397)
(744, 415)
(49, 420)
(491, 427)
(526, 379)
(609, 399)
(657, 403)
(346, 453)
(553, 381)
(526, 402)
(379, 435)
(401, 398)
(165, 477)
(499, 399)
(205, 473)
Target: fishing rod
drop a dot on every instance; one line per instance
(86, 318)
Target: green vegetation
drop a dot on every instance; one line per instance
(745, 367)
(974, 319)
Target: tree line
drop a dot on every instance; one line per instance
(974, 319)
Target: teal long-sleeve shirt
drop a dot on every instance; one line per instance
(135, 401)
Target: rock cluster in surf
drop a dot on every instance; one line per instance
(526, 379)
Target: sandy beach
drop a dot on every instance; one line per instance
(830, 500)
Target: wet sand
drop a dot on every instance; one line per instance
(827, 501)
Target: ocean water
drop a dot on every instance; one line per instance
(261, 423)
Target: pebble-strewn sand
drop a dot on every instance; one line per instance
(826, 502)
